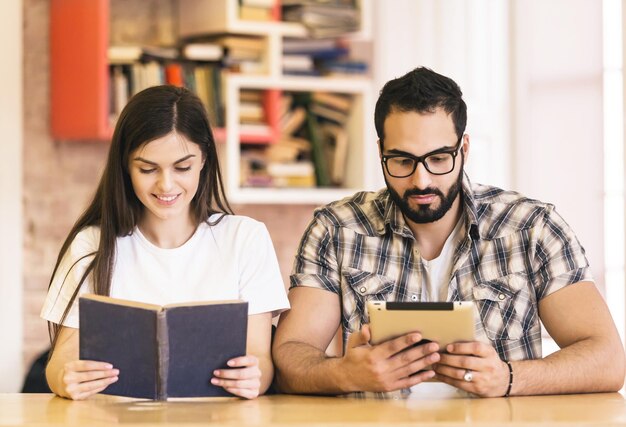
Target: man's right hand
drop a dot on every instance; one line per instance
(389, 366)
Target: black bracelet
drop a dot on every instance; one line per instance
(508, 390)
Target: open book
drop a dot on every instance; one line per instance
(162, 352)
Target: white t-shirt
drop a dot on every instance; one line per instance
(234, 259)
(436, 273)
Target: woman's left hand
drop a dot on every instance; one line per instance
(244, 380)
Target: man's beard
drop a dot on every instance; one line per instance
(424, 214)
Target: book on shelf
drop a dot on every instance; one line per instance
(203, 51)
(255, 132)
(234, 41)
(316, 48)
(126, 54)
(255, 13)
(268, 4)
(297, 174)
(341, 67)
(162, 351)
(119, 91)
(337, 151)
(297, 64)
(327, 113)
(250, 112)
(174, 74)
(292, 120)
(333, 100)
(288, 149)
(259, 10)
(318, 150)
(323, 18)
(207, 81)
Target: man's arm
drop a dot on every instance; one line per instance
(591, 358)
(304, 333)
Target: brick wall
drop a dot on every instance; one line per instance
(59, 179)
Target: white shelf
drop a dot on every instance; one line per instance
(197, 17)
(313, 196)
(353, 85)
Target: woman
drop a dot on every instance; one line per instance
(159, 230)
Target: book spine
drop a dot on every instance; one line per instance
(163, 356)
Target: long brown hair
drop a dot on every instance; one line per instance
(115, 209)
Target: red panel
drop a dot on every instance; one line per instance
(271, 107)
(79, 82)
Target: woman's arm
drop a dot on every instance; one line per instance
(254, 371)
(76, 379)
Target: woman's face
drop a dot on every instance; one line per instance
(165, 175)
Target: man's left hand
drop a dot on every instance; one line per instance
(474, 367)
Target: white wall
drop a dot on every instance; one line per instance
(11, 196)
(468, 42)
(557, 152)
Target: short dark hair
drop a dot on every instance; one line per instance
(421, 90)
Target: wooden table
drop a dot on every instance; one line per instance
(607, 409)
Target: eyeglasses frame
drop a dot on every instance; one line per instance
(422, 159)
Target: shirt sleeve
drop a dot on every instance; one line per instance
(67, 277)
(316, 263)
(260, 281)
(559, 258)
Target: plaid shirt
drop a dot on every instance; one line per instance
(515, 252)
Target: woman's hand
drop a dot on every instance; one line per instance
(83, 378)
(244, 380)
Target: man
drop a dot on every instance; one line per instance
(431, 235)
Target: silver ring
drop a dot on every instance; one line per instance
(468, 376)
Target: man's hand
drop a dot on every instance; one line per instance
(489, 374)
(388, 366)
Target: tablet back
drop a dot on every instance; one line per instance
(443, 322)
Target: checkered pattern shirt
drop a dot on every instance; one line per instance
(514, 252)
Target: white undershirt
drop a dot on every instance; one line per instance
(436, 275)
(436, 272)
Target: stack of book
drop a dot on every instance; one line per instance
(316, 57)
(237, 53)
(323, 18)
(252, 117)
(328, 114)
(286, 161)
(259, 10)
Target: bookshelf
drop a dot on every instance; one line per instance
(201, 17)
(80, 99)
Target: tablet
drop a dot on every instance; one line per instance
(442, 322)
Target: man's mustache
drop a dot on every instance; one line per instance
(423, 192)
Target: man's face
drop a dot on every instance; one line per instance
(423, 197)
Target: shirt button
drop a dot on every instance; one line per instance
(501, 297)
(413, 297)
(363, 289)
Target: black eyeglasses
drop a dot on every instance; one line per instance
(438, 162)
